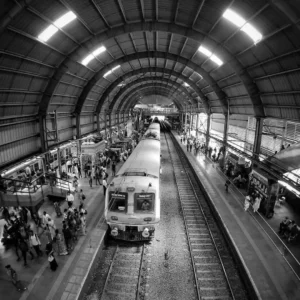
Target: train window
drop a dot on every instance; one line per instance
(117, 201)
(144, 202)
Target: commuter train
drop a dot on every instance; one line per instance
(132, 203)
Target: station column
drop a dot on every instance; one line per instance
(197, 125)
(191, 120)
(225, 135)
(78, 133)
(98, 122)
(207, 130)
(257, 138)
(185, 119)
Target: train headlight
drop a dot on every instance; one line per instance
(148, 219)
(114, 218)
(114, 231)
(145, 233)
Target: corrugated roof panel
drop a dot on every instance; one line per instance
(290, 113)
(111, 11)
(273, 112)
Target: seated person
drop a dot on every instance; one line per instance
(284, 224)
(288, 229)
(145, 205)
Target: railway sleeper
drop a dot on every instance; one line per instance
(214, 291)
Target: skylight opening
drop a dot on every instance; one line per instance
(65, 19)
(110, 71)
(58, 24)
(234, 18)
(252, 32)
(93, 55)
(211, 56)
(205, 51)
(240, 22)
(217, 60)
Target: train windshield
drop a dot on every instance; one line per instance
(117, 201)
(144, 202)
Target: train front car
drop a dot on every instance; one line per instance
(132, 204)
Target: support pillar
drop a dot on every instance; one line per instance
(42, 133)
(191, 121)
(207, 130)
(257, 138)
(98, 122)
(185, 121)
(225, 135)
(59, 161)
(78, 132)
(197, 125)
(182, 119)
(105, 123)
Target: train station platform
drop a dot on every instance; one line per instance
(272, 267)
(68, 280)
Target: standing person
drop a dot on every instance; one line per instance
(82, 224)
(69, 166)
(113, 169)
(81, 197)
(79, 171)
(45, 218)
(6, 215)
(35, 242)
(60, 242)
(48, 233)
(247, 202)
(52, 261)
(227, 184)
(57, 209)
(70, 199)
(256, 204)
(52, 227)
(90, 180)
(104, 182)
(68, 237)
(24, 249)
(14, 278)
(98, 176)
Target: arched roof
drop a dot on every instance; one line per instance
(157, 38)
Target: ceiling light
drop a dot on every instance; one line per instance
(234, 18)
(186, 84)
(211, 56)
(91, 56)
(252, 32)
(58, 24)
(240, 22)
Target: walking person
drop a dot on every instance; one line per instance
(70, 198)
(227, 184)
(57, 209)
(35, 242)
(60, 242)
(82, 224)
(98, 176)
(45, 218)
(247, 202)
(68, 237)
(24, 249)
(52, 227)
(14, 278)
(51, 258)
(79, 171)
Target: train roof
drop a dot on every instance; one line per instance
(153, 132)
(144, 160)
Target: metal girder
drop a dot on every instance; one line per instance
(124, 105)
(140, 80)
(152, 69)
(149, 86)
(153, 54)
(197, 36)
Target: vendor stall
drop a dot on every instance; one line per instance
(91, 152)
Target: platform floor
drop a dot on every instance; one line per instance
(66, 282)
(270, 265)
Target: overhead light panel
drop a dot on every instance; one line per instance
(93, 55)
(110, 71)
(240, 22)
(211, 56)
(186, 84)
(58, 24)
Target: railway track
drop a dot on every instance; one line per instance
(215, 274)
(125, 272)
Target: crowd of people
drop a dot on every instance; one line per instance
(288, 229)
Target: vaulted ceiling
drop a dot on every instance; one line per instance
(151, 48)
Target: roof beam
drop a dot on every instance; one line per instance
(198, 12)
(122, 10)
(100, 13)
(142, 9)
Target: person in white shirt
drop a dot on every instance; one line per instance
(70, 199)
(104, 183)
(35, 242)
(45, 218)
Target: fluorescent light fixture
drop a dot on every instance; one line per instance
(58, 24)
(211, 56)
(186, 84)
(205, 51)
(252, 32)
(110, 71)
(122, 84)
(91, 56)
(234, 18)
(289, 187)
(240, 22)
